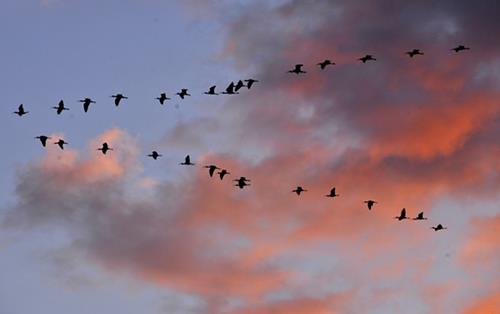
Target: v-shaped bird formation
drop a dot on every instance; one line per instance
(231, 89)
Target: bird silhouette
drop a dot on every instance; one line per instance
(332, 193)
(238, 85)
(299, 190)
(211, 91)
(105, 148)
(230, 90)
(118, 98)
(187, 161)
(438, 227)
(420, 216)
(20, 110)
(402, 216)
(86, 103)
(324, 63)
(61, 143)
(367, 58)
(43, 139)
(460, 48)
(242, 182)
(154, 155)
(162, 98)
(211, 169)
(298, 69)
(60, 107)
(250, 82)
(222, 173)
(183, 93)
(370, 204)
(414, 52)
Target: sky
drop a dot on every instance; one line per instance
(81, 232)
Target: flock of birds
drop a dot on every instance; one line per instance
(231, 89)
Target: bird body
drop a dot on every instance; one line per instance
(154, 155)
(438, 227)
(162, 98)
(299, 190)
(414, 52)
(242, 182)
(105, 148)
(118, 98)
(20, 110)
(370, 204)
(325, 63)
(298, 69)
(60, 107)
(420, 216)
(367, 58)
(211, 91)
(230, 90)
(222, 173)
(460, 48)
(211, 169)
(61, 143)
(250, 82)
(86, 103)
(183, 93)
(402, 216)
(43, 139)
(187, 161)
(332, 193)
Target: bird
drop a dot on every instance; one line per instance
(20, 110)
(211, 169)
(370, 204)
(223, 173)
(402, 216)
(242, 182)
(211, 91)
(299, 190)
(438, 227)
(118, 98)
(460, 48)
(367, 58)
(420, 216)
(298, 69)
(105, 147)
(187, 161)
(332, 193)
(162, 98)
(61, 143)
(414, 52)
(183, 93)
(250, 82)
(60, 107)
(238, 85)
(324, 63)
(230, 90)
(43, 139)
(154, 155)
(86, 103)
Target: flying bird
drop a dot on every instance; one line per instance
(60, 107)
(118, 98)
(211, 169)
(86, 103)
(332, 193)
(154, 155)
(323, 64)
(402, 216)
(183, 93)
(211, 91)
(43, 139)
(162, 98)
(61, 143)
(414, 52)
(367, 58)
(370, 204)
(242, 182)
(250, 82)
(299, 190)
(20, 110)
(230, 90)
(222, 173)
(438, 227)
(238, 85)
(420, 216)
(105, 148)
(187, 161)
(460, 48)
(298, 69)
